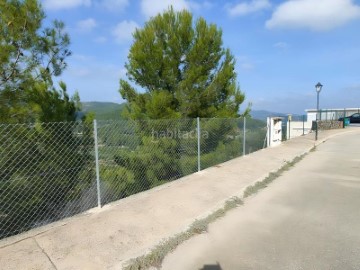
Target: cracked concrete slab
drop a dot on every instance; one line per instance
(24, 255)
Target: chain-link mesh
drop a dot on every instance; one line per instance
(221, 140)
(46, 173)
(139, 155)
(48, 170)
(255, 135)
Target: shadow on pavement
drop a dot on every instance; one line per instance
(211, 267)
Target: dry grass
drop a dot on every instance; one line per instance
(156, 256)
(253, 189)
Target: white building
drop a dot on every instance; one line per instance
(330, 114)
(298, 128)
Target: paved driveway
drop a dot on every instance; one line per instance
(309, 218)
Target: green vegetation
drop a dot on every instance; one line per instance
(104, 110)
(47, 169)
(250, 190)
(136, 155)
(30, 56)
(190, 73)
(43, 166)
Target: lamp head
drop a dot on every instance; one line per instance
(318, 87)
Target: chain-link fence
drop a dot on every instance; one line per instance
(46, 173)
(138, 155)
(49, 171)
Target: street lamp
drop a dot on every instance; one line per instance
(318, 88)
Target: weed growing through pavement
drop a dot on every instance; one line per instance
(253, 189)
(156, 256)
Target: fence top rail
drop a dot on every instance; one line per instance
(334, 110)
(33, 124)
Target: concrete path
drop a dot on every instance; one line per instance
(106, 238)
(309, 218)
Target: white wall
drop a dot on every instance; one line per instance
(297, 128)
(274, 131)
(311, 116)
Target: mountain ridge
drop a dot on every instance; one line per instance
(104, 110)
(113, 111)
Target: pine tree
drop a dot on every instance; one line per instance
(30, 56)
(183, 69)
(43, 166)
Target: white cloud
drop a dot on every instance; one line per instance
(114, 5)
(151, 8)
(81, 57)
(245, 63)
(247, 66)
(281, 45)
(65, 4)
(200, 6)
(318, 15)
(353, 88)
(100, 39)
(124, 30)
(122, 73)
(86, 25)
(81, 72)
(89, 67)
(245, 8)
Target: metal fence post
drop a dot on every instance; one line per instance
(303, 118)
(289, 121)
(244, 137)
(198, 135)
(97, 164)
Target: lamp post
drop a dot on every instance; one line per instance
(318, 88)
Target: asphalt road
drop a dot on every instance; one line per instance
(309, 218)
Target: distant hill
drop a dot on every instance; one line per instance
(263, 115)
(113, 111)
(104, 110)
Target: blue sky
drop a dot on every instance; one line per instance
(282, 47)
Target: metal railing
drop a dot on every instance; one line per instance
(335, 115)
(330, 115)
(49, 171)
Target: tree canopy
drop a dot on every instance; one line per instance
(183, 69)
(30, 56)
(44, 167)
